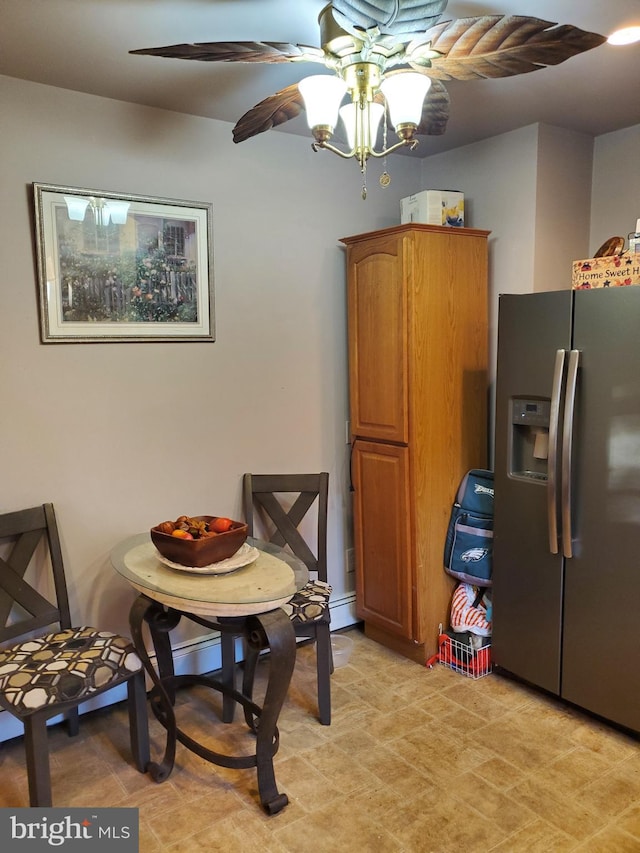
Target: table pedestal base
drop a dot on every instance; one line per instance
(272, 630)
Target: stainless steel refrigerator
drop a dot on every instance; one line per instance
(566, 574)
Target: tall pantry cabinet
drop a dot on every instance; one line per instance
(418, 340)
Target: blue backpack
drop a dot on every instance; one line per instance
(468, 550)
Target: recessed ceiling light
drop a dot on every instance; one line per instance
(627, 35)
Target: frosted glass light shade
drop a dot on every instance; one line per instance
(627, 35)
(117, 210)
(76, 207)
(405, 94)
(351, 115)
(322, 95)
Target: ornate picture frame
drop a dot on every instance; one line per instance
(116, 267)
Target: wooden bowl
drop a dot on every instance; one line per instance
(198, 553)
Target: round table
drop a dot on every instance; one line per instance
(244, 602)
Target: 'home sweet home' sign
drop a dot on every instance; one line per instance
(609, 271)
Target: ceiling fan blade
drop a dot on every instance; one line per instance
(274, 110)
(237, 51)
(501, 46)
(389, 16)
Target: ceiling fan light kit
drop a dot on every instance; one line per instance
(385, 54)
(374, 97)
(322, 96)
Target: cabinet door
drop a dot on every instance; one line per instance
(384, 583)
(377, 340)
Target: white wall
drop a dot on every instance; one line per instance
(616, 186)
(121, 436)
(563, 205)
(498, 178)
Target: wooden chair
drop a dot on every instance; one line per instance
(267, 496)
(43, 676)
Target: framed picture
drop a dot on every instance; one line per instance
(115, 267)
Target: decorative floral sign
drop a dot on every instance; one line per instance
(116, 267)
(607, 271)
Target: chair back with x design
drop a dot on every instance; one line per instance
(284, 503)
(20, 602)
(266, 494)
(44, 675)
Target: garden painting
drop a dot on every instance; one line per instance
(123, 267)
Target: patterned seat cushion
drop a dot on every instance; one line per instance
(63, 666)
(311, 603)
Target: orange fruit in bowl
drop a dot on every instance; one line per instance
(181, 534)
(220, 525)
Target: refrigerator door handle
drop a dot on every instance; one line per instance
(567, 449)
(552, 462)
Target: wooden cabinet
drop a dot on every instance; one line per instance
(418, 338)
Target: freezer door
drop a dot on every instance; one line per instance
(527, 576)
(601, 646)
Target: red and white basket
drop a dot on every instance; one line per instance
(462, 657)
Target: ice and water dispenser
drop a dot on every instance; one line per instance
(529, 445)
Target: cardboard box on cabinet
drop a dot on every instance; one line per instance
(434, 207)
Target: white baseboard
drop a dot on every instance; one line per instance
(195, 656)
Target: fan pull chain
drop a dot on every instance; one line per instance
(385, 177)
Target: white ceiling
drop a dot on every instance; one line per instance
(83, 45)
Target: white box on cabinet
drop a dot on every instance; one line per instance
(434, 207)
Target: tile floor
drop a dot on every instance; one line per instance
(416, 761)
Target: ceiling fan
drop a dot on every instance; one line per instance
(377, 50)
